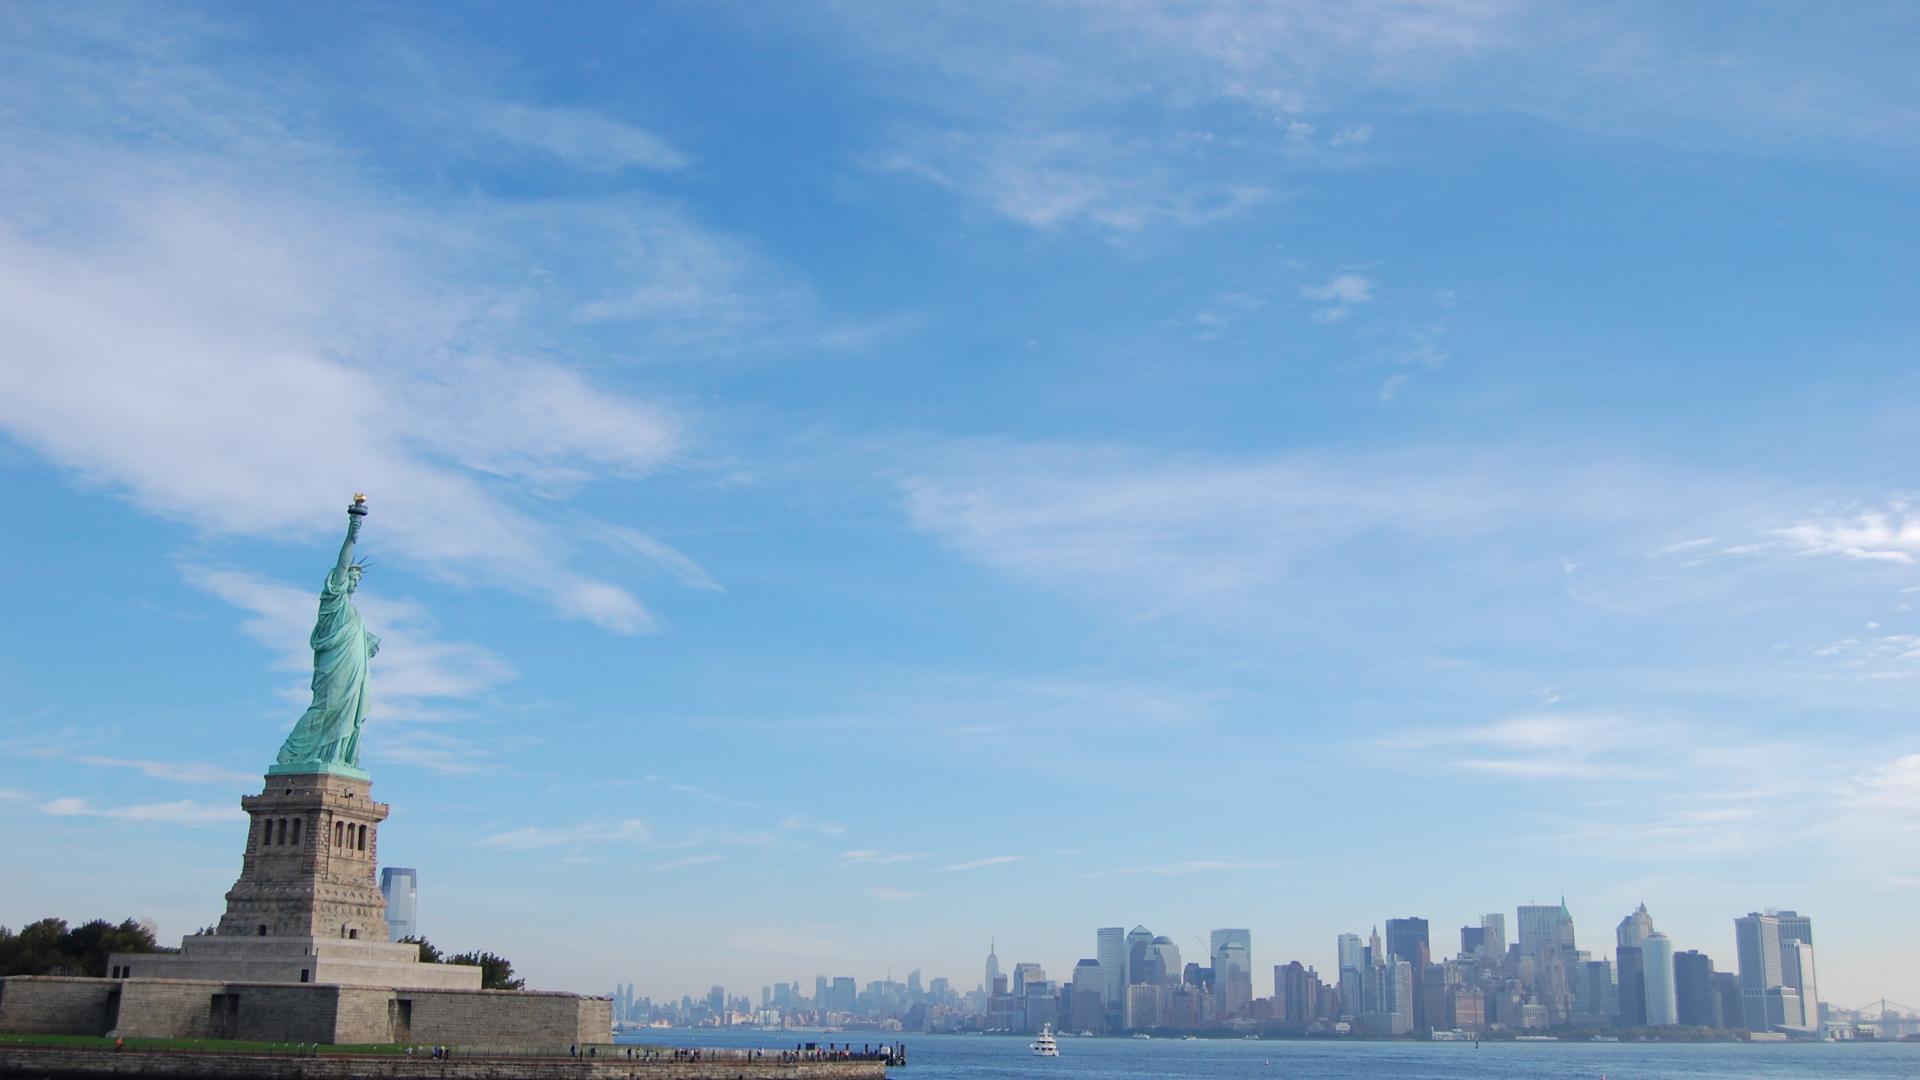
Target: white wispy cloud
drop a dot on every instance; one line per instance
(977, 864)
(415, 665)
(182, 812)
(690, 860)
(1059, 179)
(879, 858)
(185, 772)
(234, 326)
(580, 137)
(803, 823)
(1341, 294)
(1880, 535)
(892, 895)
(1894, 786)
(533, 837)
(1189, 867)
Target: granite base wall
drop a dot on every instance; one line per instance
(296, 1012)
(57, 1005)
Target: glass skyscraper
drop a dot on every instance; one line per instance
(401, 886)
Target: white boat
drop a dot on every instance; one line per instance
(1043, 1044)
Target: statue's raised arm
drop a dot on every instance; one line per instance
(327, 736)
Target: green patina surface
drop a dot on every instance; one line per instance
(326, 738)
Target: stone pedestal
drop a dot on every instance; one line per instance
(307, 908)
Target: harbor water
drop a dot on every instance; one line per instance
(986, 1057)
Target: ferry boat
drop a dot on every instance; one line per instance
(1043, 1044)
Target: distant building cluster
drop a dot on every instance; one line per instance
(1393, 986)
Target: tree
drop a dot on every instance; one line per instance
(48, 947)
(496, 972)
(428, 954)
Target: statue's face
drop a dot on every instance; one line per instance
(353, 578)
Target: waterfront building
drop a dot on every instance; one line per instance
(843, 993)
(1110, 947)
(1143, 1006)
(1631, 962)
(1085, 1004)
(401, 886)
(1729, 1011)
(1295, 993)
(1595, 1001)
(1233, 978)
(1693, 989)
(1657, 979)
(1777, 983)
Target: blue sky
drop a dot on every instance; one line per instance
(851, 479)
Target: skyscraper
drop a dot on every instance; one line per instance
(1777, 985)
(401, 886)
(1495, 924)
(1693, 989)
(1139, 939)
(1634, 963)
(993, 967)
(1348, 949)
(1662, 1006)
(1111, 950)
(1222, 939)
(1407, 940)
(1024, 973)
(1163, 961)
(1633, 929)
(1233, 977)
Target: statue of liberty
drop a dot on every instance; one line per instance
(327, 736)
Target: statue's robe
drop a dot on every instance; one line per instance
(329, 731)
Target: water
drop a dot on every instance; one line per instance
(986, 1057)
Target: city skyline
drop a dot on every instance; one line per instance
(1172, 462)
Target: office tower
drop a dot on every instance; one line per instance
(1631, 962)
(1596, 1003)
(1757, 942)
(1473, 942)
(1163, 962)
(1024, 973)
(993, 967)
(1139, 939)
(1796, 970)
(1729, 1009)
(1085, 1004)
(1407, 939)
(1223, 938)
(1142, 1008)
(1347, 947)
(822, 993)
(1111, 948)
(1375, 954)
(1294, 989)
(1546, 930)
(717, 1000)
(1495, 925)
(1233, 977)
(1693, 989)
(1633, 929)
(913, 982)
(401, 886)
(1657, 978)
(843, 994)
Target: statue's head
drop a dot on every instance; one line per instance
(354, 572)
